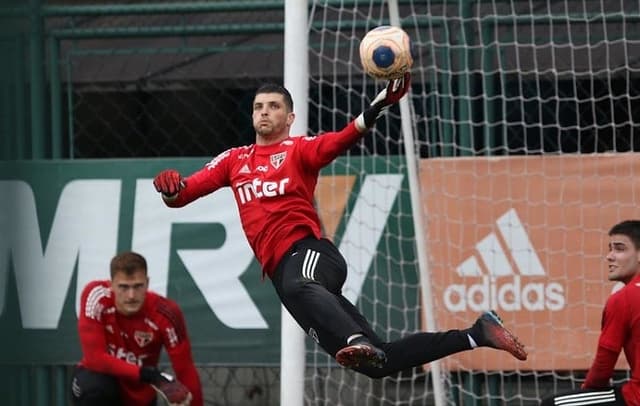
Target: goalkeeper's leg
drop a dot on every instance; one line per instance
(421, 348)
(309, 281)
(312, 295)
(90, 388)
(410, 351)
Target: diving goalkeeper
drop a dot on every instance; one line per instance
(273, 182)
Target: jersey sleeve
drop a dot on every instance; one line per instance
(614, 329)
(615, 322)
(212, 177)
(178, 347)
(601, 370)
(319, 151)
(92, 336)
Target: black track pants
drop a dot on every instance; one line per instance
(309, 282)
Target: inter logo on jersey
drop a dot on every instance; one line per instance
(258, 189)
(278, 159)
(143, 337)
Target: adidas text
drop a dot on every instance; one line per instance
(507, 294)
(512, 277)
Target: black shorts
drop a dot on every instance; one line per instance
(309, 282)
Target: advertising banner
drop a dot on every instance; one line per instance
(61, 223)
(527, 236)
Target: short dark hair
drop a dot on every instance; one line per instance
(276, 88)
(629, 228)
(128, 262)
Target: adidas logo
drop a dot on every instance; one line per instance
(499, 285)
(244, 169)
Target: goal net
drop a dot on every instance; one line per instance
(523, 115)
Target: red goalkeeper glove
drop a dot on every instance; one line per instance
(389, 95)
(169, 182)
(168, 388)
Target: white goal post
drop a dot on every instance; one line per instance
(296, 71)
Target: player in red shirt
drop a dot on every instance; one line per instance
(620, 329)
(122, 328)
(273, 182)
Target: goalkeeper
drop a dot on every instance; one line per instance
(123, 327)
(273, 182)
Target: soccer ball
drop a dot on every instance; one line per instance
(385, 52)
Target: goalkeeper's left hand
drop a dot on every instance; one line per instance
(389, 95)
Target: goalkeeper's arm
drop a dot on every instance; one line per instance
(394, 91)
(327, 147)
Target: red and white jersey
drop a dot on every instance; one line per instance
(273, 187)
(119, 345)
(620, 332)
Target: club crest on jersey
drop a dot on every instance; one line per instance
(143, 337)
(278, 159)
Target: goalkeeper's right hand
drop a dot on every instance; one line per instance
(168, 388)
(389, 95)
(169, 182)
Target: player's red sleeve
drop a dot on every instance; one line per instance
(601, 370)
(207, 180)
(178, 347)
(615, 322)
(95, 355)
(321, 150)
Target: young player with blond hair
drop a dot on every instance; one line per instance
(123, 327)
